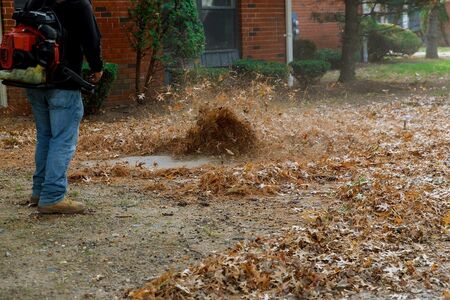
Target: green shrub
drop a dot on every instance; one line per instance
(93, 103)
(267, 69)
(304, 49)
(333, 56)
(308, 72)
(389, 38)
(198, 74)
(184, 35)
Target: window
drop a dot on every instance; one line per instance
(220, 23)
(219, 29)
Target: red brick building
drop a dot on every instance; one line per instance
(258, 27)
(234, 29)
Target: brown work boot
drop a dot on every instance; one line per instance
(65, 206)
(34, 200)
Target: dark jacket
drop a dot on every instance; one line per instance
(81, 36)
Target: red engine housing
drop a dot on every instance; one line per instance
(26, 40)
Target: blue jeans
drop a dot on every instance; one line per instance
(57, 115)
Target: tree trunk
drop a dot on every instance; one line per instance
(444, 33)
(150, 73)
(137, 81)
(350, 42)
(433, 33)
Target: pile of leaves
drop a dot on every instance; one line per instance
(202, 130)
(219, 131)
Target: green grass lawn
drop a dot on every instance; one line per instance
(400, 70)
(406, 69)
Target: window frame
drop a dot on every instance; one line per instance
(231, 7)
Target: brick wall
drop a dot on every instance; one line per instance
(112, 17)
(263, 28)
(317, 21)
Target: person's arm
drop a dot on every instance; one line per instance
(90, 40)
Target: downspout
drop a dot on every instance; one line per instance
(3, 93)
(289, 39)
(365, 43)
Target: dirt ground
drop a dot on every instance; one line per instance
(141, 225)
(127, 239)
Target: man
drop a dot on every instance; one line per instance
(58, 112)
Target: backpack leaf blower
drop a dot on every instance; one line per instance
(31, 52)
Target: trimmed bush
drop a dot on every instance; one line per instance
(304, 49)
(93, 103)
(333, 56)
(267, 69)
(308, 72)
(389, 38)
